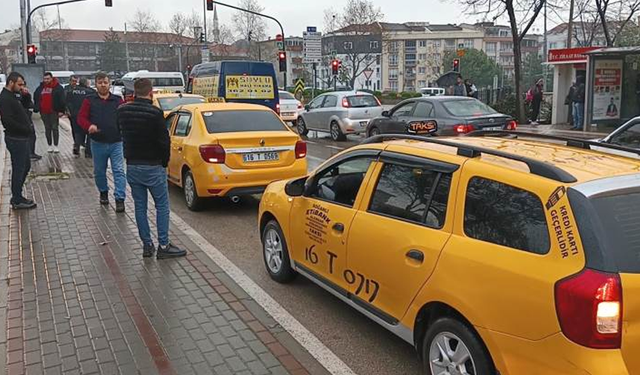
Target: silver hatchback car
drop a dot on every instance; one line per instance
(339, 113)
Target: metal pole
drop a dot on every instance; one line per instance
(315, 78)
(545, 50)
(126, 47)
(180, 58)
(23, 28)
(44, 6)
(204, 7)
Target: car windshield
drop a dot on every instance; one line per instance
(362, 101)
(286, 95)
(242, 121)
(164, 82)
(167, 104)
(467, 108)
(64, 80)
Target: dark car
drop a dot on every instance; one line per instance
(439, 115)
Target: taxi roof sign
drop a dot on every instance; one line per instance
(217, 99)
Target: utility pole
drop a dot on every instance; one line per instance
(570, 25)
(126, 47)
(204, 4)
(545, 47)
(23, 29)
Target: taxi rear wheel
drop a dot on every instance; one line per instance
(194, 202)
(302, 126)
(276, 253)
(452, 348)
(336, 132)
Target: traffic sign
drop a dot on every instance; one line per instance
(205, 54)
(312, 29)
(299, 86)
(334, 53)
(368, 73)
(280, 45)
(312, 44)
(461, 53)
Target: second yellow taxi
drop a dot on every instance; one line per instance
(230, 150)
(168, 101)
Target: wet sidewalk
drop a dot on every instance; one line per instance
(78, 298)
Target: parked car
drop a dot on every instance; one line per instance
(339, 113)
(290, 107)
(453, 116)
(489, 255)
(627, 135)
(431, 91)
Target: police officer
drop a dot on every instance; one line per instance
(75, 97)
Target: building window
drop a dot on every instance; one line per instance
(504, 33)
(468, 43)
(422, 56)
(393, 73)
(449, 44)
(394, 46)
(393, 59)
(506, 46)
(423, 43)
(347, 45)
(491, 48)
(437, 43)
(410, 57)
(393, 85)
(373, 44)
(422, 70)
(422, 84)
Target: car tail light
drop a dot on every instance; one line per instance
(512, 125)
(278, 108)
(299, 105)
(345, 103)
(589, 308)
(463, 128)
(213, 154)
(301, 149)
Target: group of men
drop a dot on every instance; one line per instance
(116, 131)
(465, 88)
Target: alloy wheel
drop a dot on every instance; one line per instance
(273, 250)
(448, 355)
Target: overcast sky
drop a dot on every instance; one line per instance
(295, 15)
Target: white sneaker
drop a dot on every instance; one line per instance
(56, 150)
(50, 149)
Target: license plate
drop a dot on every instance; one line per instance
(364, 123)
(493, 128)
(422, 127)
(288, 113)
(260, 156)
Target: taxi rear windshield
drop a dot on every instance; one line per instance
(167, 104)
(242, 121)
(610, 224)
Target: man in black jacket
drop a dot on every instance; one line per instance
(147, 149)
(17, 130)
(75, 98)
(27, 104)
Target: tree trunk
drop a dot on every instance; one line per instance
(517, 62)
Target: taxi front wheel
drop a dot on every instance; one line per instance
(194, 202)
(276, 253)
(452, 348)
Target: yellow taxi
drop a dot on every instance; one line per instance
(167, 101)
(230, 150)
(490, 254)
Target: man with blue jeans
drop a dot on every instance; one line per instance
(578, 103)
(147, 150)
(97, 116)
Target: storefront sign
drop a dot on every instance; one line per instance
(607, 89)
(569, 54)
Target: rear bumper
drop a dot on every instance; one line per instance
(290, 116)
(553, 355)
(215, 180)
(350, 126)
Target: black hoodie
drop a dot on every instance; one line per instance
(14, 117)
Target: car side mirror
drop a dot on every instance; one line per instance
(307, 107)
(386, 114)
(296, 188)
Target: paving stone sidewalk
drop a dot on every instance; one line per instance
(77, 297)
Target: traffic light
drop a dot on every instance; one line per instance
(456, 65)
(201, 39)
(108, 3)
(209, 4)
(282, 60)
(32, 51)
(335, 65)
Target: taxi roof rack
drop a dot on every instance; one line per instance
(569, 141)
(536, 167)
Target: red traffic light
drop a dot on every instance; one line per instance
(456, 65)
(209, 4)
(282, 55)
(335, 65)
(31, 49)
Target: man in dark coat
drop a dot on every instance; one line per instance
(75, 98)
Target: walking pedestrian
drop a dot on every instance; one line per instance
(536, 101)
(49, 102)
(97, 117)
(25, 99)
(147, 149)
(73, 82)
(578, 104)
(75, 98)
(17, 130)
(459, 89)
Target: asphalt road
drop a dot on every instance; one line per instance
(363, 345)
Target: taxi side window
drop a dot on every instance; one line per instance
(505, 215)
(341, 183)
(413, 194)
(183, 126)
(169, 121)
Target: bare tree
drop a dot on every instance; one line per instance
(194, 20)
(357, 20)
(589, 24)
(614, 16)
(522, 15)
(178, 24)
(250, 26)
(52, 31)
(144, 22)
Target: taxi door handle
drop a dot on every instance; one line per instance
(338, 227)
(415, 255)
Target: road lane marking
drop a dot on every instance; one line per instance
(335, 147)
(302, 335)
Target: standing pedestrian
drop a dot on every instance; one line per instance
(17, 130)
(537, 92)
(578, 104)
(459, 89)
(49, 101)
(97, 116)
(472, 90)
(568, 101)
(147, 150)
(73, 83)
(25, 98)
(75, 98)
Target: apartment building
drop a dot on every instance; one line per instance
(414, 51)
(584, 35)
(9, 49)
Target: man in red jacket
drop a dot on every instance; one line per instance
(50, 102)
